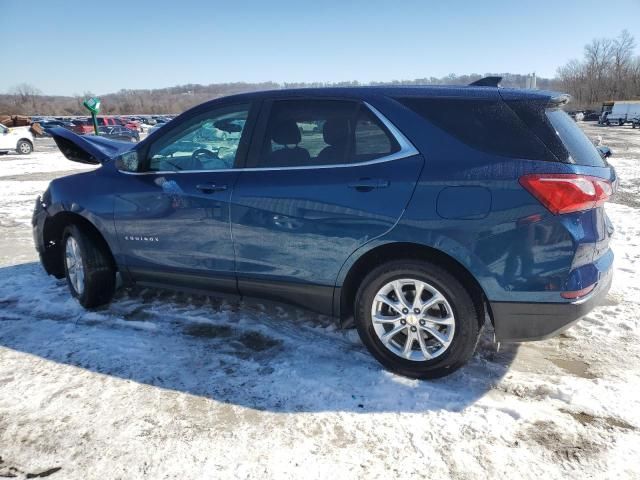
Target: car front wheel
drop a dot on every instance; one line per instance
(88, 268)
(416, 319)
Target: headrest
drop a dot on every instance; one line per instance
(335, 131)
(286, 133)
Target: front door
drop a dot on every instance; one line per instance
(172, 218)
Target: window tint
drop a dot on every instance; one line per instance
(371, 140)
(486, 125)
(579, 148)
(207, 142)
(322, 132)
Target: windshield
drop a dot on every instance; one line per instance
(580, 149)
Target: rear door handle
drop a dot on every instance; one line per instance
(368, 184)
(210, 187)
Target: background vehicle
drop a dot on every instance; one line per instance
(351, 221)
(84, 126)
(119, 132)
(622, 112)
(19, 139)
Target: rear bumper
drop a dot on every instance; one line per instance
(523, 322)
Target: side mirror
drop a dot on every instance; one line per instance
(128, 162)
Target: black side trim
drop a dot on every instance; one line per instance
(523, 322)
(188, 282)
(318, 298)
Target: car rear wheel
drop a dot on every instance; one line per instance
(88, 268)
(24, 147)
(416, 319)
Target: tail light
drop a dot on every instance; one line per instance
(565, 193)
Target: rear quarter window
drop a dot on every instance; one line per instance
(577, 147)
(483, 124)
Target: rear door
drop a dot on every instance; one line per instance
(324, 177)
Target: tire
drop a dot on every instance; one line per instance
(462, 331)
(24, 147)
(98, 273)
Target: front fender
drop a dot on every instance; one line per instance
(87, 195)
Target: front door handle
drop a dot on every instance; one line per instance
(210, 187)
(368, 184)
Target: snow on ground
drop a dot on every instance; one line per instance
(164, 385)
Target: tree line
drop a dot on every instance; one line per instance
(610, 70)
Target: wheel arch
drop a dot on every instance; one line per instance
(345, 298)
(52, 232)
(24, 139)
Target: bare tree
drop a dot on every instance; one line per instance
(25, 97)
(609, 71)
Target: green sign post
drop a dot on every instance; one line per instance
(93, 105)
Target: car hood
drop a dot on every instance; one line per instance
(90, 149)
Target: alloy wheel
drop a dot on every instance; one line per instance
(75, 266)
(413, 319)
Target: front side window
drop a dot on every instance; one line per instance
(323, 132)
(208, 141)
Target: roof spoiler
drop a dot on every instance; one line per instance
(559, 100)
(487, 82)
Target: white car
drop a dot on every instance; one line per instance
(19, 139)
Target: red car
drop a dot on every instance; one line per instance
(82, 127)
(132, 124)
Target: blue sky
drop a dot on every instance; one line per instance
(69, 47)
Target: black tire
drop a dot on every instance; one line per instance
(24, 147)
(467, 324)
(99, 270)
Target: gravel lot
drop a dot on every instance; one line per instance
(161, 385)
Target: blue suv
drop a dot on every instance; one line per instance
(414, 213)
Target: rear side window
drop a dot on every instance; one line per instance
(486, 125)
(578, 148)
(558, 131)
(310, 132)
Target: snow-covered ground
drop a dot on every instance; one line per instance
(162, 385)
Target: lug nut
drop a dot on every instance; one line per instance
(413, 329)
(403, 322)
(405, 311)
(422, 322)
(416, 310)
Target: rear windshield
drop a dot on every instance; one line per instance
(579, 149)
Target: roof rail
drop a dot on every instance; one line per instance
(487, 82)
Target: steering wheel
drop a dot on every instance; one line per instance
(204, 154)
(211, 159)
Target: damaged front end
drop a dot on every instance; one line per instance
(89, 149)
